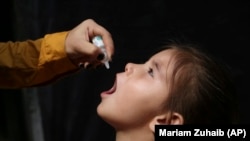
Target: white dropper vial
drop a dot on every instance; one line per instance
(97, 41)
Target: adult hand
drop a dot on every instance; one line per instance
(79, 48)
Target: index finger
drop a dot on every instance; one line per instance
(107, 39)
(109, 44)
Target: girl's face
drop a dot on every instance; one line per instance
(138, 93)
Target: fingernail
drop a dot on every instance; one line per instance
(89, 66)
(100, 57)
(80, 65)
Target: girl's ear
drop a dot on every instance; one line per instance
(166, 119)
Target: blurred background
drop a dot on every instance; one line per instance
(66, 109)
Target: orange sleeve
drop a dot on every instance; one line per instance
(31, 63)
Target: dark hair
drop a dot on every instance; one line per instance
(200, 87)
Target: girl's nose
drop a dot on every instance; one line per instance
(129, 68)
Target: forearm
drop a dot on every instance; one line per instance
(31, 63)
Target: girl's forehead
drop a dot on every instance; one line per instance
(164, 54)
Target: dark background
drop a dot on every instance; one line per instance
(68, 107)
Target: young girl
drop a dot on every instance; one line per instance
(178, 85)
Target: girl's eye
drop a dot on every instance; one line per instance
(151, 72)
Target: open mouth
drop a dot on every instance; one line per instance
(111, 90)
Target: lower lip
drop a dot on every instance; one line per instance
(109, 92)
